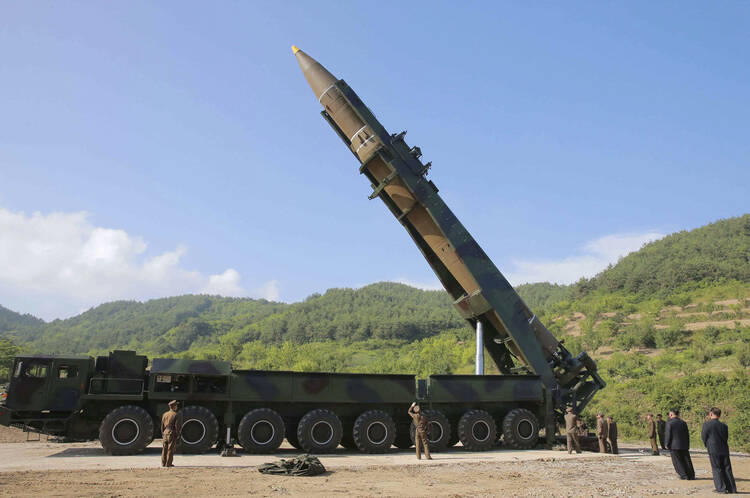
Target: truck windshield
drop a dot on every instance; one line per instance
(36, 370)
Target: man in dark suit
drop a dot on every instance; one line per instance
(715, 435)
(677, 441)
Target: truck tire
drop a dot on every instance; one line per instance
(126, 430)
(261, 431)
(477, 430)
(200, 430)
(439, 430)
(374, 432)
(319, 431)
(520, 429)
(403, 438)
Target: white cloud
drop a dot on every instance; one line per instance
(593, 257)
(54, 265)
(434, 285)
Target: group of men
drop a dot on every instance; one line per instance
(656, 428)
(672, 435)
(676, 438)
(606, 432)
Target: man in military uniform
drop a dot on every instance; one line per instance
(601, 432)
(421, 423)
(612, 434)
(652, 434)
(583, 431)
(661, 427)
(571, 431)
(171, 423)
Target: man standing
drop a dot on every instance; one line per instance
(171, 423)
(715, 435)
(677, 441)
(612, 434)
(661, 426)
(421, 423)
(601, 432)
(583, 431)
(652, 434)
(571, 431)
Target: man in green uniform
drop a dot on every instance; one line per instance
(652, 434)
(171, 423)
(571, 431)
(601, 432)
(421, 423)
(612, 434)
(661, 427)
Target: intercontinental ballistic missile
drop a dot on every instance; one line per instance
(513, 336)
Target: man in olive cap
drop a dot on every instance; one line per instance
(421, 423)
(612, 434)
(570, 430)
(652, 434)
(171, 423)
(601, 432)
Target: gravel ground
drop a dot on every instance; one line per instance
(81, 469)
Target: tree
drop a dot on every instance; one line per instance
(8, 351)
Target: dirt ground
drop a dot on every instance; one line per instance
(82, 469)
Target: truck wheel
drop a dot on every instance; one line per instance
(403, 438)
(438, 432)
(200, 430)
(520, 429)
(374, 432)
(477, 430)
(261, 431)
(126, 430)
(319, 431)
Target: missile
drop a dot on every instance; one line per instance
(398, 177)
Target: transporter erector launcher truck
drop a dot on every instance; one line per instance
(120, 398)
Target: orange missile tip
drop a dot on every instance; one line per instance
(295, 49)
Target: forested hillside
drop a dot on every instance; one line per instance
(668, 325)
(715, 252)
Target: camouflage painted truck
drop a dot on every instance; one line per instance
(119, 399)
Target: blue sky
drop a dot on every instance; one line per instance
(153, 149)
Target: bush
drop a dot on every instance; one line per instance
(743, 355)
(668, 337)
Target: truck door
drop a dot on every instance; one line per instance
(29, 384)
(66, 385)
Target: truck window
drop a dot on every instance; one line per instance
(67, 372)
(172, 383)
(211, 385)
(18, 370)
(36, 370)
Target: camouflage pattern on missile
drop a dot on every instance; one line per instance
(480, 292)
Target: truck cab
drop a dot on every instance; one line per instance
(48, 384)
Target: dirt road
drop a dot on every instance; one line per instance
(82, 469)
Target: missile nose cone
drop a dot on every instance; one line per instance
(316, 75)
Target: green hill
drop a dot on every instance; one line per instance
(715, 252)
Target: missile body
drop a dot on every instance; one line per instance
(480, 291)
